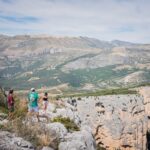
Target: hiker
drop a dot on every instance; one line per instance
(10, 101)
(45, 101)
(33, 103)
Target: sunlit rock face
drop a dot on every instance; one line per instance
(146, 95)
(118, 121)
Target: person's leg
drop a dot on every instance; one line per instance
(37, 115)
(11, 111)
(36, 110)
(30, 113)
(9, 114)
(12, 108)
(45, 106)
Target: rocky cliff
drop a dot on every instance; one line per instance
(112, 122)
(119, 121)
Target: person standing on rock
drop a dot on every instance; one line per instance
(33, 103)
(45, 101)
(10, 102)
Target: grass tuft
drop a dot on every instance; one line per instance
(69, 124)
(100, 148)
(3, 110)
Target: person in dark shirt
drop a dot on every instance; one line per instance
(10, 101)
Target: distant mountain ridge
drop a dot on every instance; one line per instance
(27, 60)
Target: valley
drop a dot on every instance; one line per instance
(33, 61)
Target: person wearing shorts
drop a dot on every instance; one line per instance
(45, 101)
(33, 103)
(33, 109)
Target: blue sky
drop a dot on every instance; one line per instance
(127, 20)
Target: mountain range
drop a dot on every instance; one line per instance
(71, 63)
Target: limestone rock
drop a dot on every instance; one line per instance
(57, 129)
(47, 148)
(3, 119)
(9, 141)
(81, 140)
(3, 115)
(3, 122)
(118, 121)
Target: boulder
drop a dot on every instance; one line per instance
(3, 122)
(81, 140)
(57, 130)
(11, 142)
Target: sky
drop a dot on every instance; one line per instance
(127, 20)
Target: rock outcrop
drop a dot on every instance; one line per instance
(112, 122)
(9, 141)
(81, 140)
(118, 121)
(57, 128)
(146, 95)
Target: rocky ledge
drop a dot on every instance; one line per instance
(112, 122)
(117, 121)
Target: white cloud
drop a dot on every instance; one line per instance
(103, 19)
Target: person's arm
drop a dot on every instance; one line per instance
(40, 99)
(12, 99)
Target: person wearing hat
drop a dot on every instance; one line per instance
(33, 103)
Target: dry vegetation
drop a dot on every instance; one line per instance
(34, 133)
(20, 124)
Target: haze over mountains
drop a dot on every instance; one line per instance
(77, 62)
